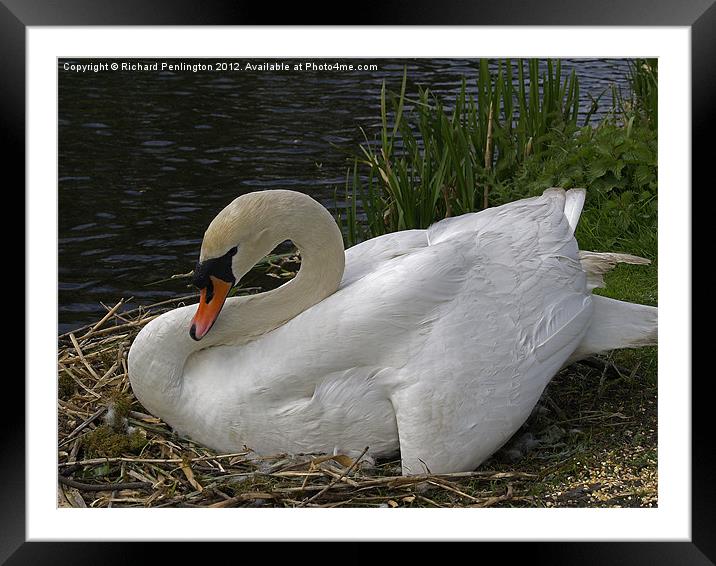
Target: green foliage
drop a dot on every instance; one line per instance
(432, 161)
(517, 135)
(619, 169)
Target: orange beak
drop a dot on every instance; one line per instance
(210, 308)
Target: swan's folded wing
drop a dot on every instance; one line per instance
(369, 256)
(460, 337)
(380, 319)
(523, 311)
(323, 379)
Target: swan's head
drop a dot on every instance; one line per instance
(239, 236)
(214, 277)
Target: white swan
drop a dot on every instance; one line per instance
(437, 343)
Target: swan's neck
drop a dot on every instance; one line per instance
(320, 245)
(158, 356)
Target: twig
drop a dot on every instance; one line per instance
(557, 409)
(94, 461)
(428, 500)
(103, 486)
(105, 376)
(338, 477)
(104, 319)
(492, 500)
(447, 485)
(82, 357)
(243, 497)
(132, 312)
(171, 278)
(598, 363)
(406, 480)
(335, 481)
(91, 418)
(78, 381)
(74, 450)
(127, 326)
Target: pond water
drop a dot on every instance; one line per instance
(147, 158)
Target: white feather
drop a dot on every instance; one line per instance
(573, 206)
(437, 342)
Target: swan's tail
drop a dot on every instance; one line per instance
(615, 324)
(573, 204)
(597, 264)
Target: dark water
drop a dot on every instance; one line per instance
(147, 158)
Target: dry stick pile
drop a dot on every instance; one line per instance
(111, 453)
(95, 395)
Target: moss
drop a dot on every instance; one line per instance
(118, 409)
(137, 441)
(114, 437)
(105, 441)
(122, 405)
(66, 386)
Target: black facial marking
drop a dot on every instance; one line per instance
(219, 267)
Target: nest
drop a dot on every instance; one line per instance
(592, 451)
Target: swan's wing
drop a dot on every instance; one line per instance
(448, 346)
(379, 320)
(368, 257)
(499, 217)
(522, 312)
(323, 380)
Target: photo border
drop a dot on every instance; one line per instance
(16, 15)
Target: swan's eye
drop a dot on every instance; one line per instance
(219, 267)
(200, 279)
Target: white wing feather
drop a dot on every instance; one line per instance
(438, 342)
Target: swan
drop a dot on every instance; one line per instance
(435, 343)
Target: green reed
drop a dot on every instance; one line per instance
(644, 79)
(511, 136)
(432, 161)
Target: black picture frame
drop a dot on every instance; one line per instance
(17, 15)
